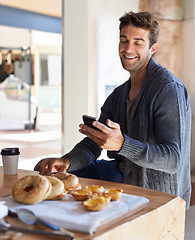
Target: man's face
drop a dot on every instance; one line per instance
(134, 48)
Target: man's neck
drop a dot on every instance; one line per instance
(137, 79)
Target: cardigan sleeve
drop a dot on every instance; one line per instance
(83, 154)
(171, 133)
(87, 150)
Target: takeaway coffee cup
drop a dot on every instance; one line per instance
(10, 158)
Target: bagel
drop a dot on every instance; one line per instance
(70, 180)
(31, 189)
(78, 186)
(60, 175)
(57, 189)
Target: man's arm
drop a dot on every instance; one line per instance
(79, 157)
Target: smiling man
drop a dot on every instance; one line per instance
(145, 123)
(135, 52)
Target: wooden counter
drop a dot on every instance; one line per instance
(163, 218)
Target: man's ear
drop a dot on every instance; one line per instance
(153, 48)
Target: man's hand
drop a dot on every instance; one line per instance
(110, 138)
(49, 165)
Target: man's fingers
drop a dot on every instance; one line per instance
(45, 166)
(50, 167)
(110, 137)
(62, 169)
(88, 131)
(101, 127)
(42, 166)
(94, 134)
(112, 124)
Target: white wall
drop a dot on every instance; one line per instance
(75, 70)
(14, 37)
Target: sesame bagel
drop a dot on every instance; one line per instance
(31, 189)
(70, 180)
(57, 189)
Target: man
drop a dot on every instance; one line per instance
(145, 123)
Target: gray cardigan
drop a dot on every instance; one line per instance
(157, 148)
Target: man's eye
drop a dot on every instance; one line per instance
(137, 43)
(123, 41)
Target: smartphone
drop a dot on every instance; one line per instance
(88, 121)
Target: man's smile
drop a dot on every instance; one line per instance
(129, 57)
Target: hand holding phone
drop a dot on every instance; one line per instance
(88, 121)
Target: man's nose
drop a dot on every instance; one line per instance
(129, 47)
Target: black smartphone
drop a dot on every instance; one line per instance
(88, 121)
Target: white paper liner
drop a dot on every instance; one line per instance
(70, 214)
(3, 209)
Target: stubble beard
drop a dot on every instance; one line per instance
(136, 67)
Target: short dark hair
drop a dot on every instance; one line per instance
(142, 20)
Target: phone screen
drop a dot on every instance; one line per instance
(88, 121)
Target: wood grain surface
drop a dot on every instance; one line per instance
(163, 218)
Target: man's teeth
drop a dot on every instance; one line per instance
(129, 57)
